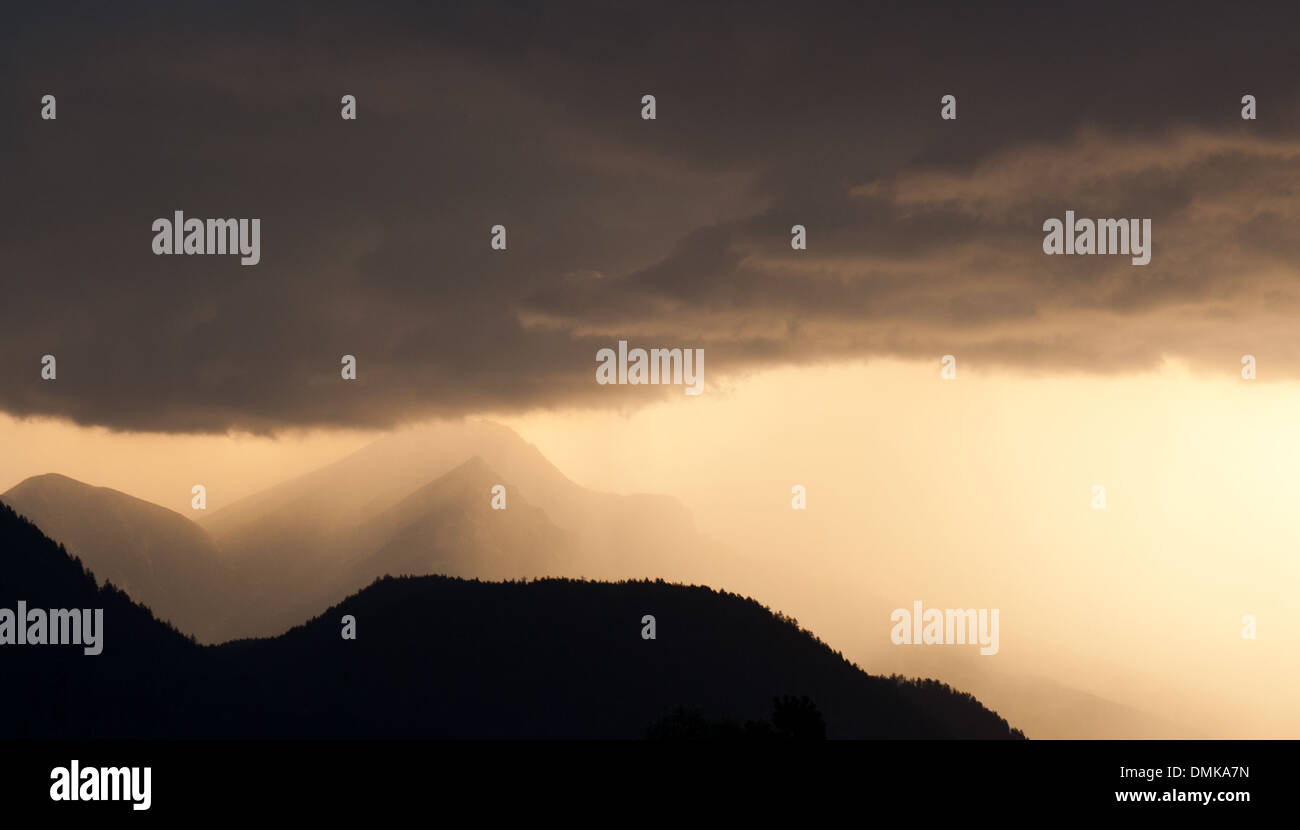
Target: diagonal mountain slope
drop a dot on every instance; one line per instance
(382, 510)
(450, 527)
(446, 527)
(152, 553)
(303, 520)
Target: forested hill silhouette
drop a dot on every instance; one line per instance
(443, 657)
(60, 692)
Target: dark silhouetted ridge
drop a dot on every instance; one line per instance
(445, 657)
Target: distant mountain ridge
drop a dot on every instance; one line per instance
(443, 657)
(149, 551)
(417, 502)
(432, 530)
(446, 527)
(302, 519)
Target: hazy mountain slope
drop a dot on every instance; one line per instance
(1046, 709)
(1041, 707)
(448, 526)
(294, 537)
(349, 491)
(443, 657)
(156, 555)
(311, 509)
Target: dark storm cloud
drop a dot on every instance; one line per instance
(924, 236)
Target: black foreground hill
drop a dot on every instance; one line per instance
(436, 657)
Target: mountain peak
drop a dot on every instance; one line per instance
(49, 481)
(37, 492)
